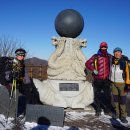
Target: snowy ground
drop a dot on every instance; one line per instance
(74, 120)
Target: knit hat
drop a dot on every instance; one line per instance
(103, 44)
(20, 52)
(117, 49)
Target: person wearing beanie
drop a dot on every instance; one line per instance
(118, 84)
(117, 49)
(99, 64)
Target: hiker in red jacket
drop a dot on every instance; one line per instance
(99, 64)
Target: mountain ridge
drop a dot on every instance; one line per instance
(34, 61)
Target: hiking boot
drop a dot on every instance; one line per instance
(97, 113)
(123, 120)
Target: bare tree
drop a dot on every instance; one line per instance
(9, 45)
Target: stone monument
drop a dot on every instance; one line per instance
(66, 85)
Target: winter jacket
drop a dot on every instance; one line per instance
(103, 65)
(118, 69)
(13, 69)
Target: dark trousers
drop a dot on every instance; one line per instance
(21, 105)
(28, 94)
(102, 95)
(119, 98)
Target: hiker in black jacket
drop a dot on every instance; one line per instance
(13, 71)
(16, 77)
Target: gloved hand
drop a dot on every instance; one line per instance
(8, 75)
(95, 72)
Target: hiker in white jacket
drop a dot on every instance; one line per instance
(118, 84)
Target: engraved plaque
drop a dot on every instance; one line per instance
(69, 87)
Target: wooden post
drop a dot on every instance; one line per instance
(40, 72)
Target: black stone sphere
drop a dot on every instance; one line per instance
(69, 23)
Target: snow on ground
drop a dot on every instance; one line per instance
(86, 120)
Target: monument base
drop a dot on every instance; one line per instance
(73, 94)
(45, 115)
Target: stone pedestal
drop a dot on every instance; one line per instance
(79, 95)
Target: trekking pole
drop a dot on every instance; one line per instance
(13, 94)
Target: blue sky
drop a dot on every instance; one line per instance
(32, 22)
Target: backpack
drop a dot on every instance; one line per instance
(5, 65)
(95, 61)
(127, 72)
